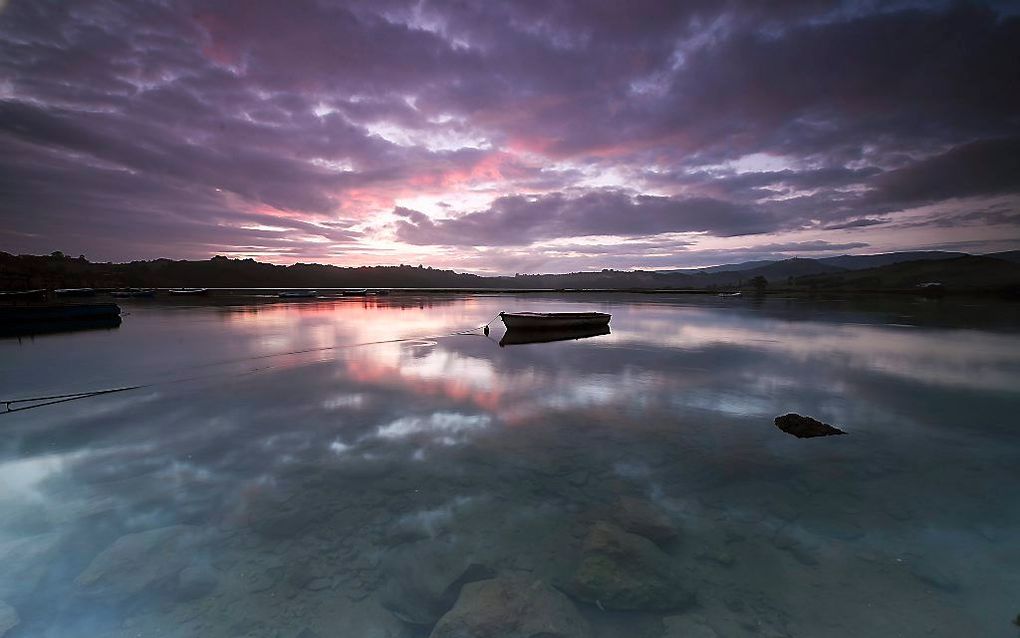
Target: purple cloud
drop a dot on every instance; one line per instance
(521, 220)
(295, 130)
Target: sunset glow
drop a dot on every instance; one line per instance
(508, 137)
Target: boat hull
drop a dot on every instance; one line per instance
(554, 320)
(63, 325)
(23, 295)
(73, 312)
(28, 320)
(133, 294)
(75, 292)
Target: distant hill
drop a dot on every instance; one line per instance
(795, 267)
(859, 262)
(745, 265)
(1011, 256)
(969, 272)
(777, 272)
(58, 271)
(805, 266)
(966, 273)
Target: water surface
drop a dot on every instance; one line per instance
(248, 492)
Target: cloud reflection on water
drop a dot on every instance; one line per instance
(441, 439)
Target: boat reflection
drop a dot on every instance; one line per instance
(53, 327)
(521, 336)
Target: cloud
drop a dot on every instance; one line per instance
(139, 215)
(816, 246)
(981, 168)
(859, 222)
(182, 129)
(521, 220)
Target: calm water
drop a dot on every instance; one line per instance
(351, 491)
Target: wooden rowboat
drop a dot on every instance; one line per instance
(553, 320)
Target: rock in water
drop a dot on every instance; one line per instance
(344, 618)
(804, 427)
(644, 519)
(196, 581)
(424, 579)
(511, 607)
(687, 627)
(8, 618)
(620, 570)
(136, 562)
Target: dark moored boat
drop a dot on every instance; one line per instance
(27, 320)
(134, 293)
(298, 294)
(553, 320)
(188, 292)
(354, 292)
(75, 292)
(22, 295)
(522, 336)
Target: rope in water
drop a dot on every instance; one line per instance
(38, 402)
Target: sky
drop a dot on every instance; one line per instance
(502, 137)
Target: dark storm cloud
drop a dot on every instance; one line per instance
(133, 214)
(879, 80)
(519, 220)
(985, 167)
(754, 84)
(198, 123)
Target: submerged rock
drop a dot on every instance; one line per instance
(579, 478)
(25, 562)
(687, 626)
(804, 427)
(196, 581)
(620, 570)
(936, 577)
(8, 618)
(285, 523)
(425, 578)
(644, 519)
(136, 562)
(511, 607)
(345, 618)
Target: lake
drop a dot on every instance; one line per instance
(631, 484)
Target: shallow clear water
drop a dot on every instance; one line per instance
(339, 491)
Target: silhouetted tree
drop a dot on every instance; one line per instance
(759, 282)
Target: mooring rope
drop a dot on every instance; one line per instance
(39, 402)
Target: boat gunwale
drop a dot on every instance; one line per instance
(556, 315)
(541, 321)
